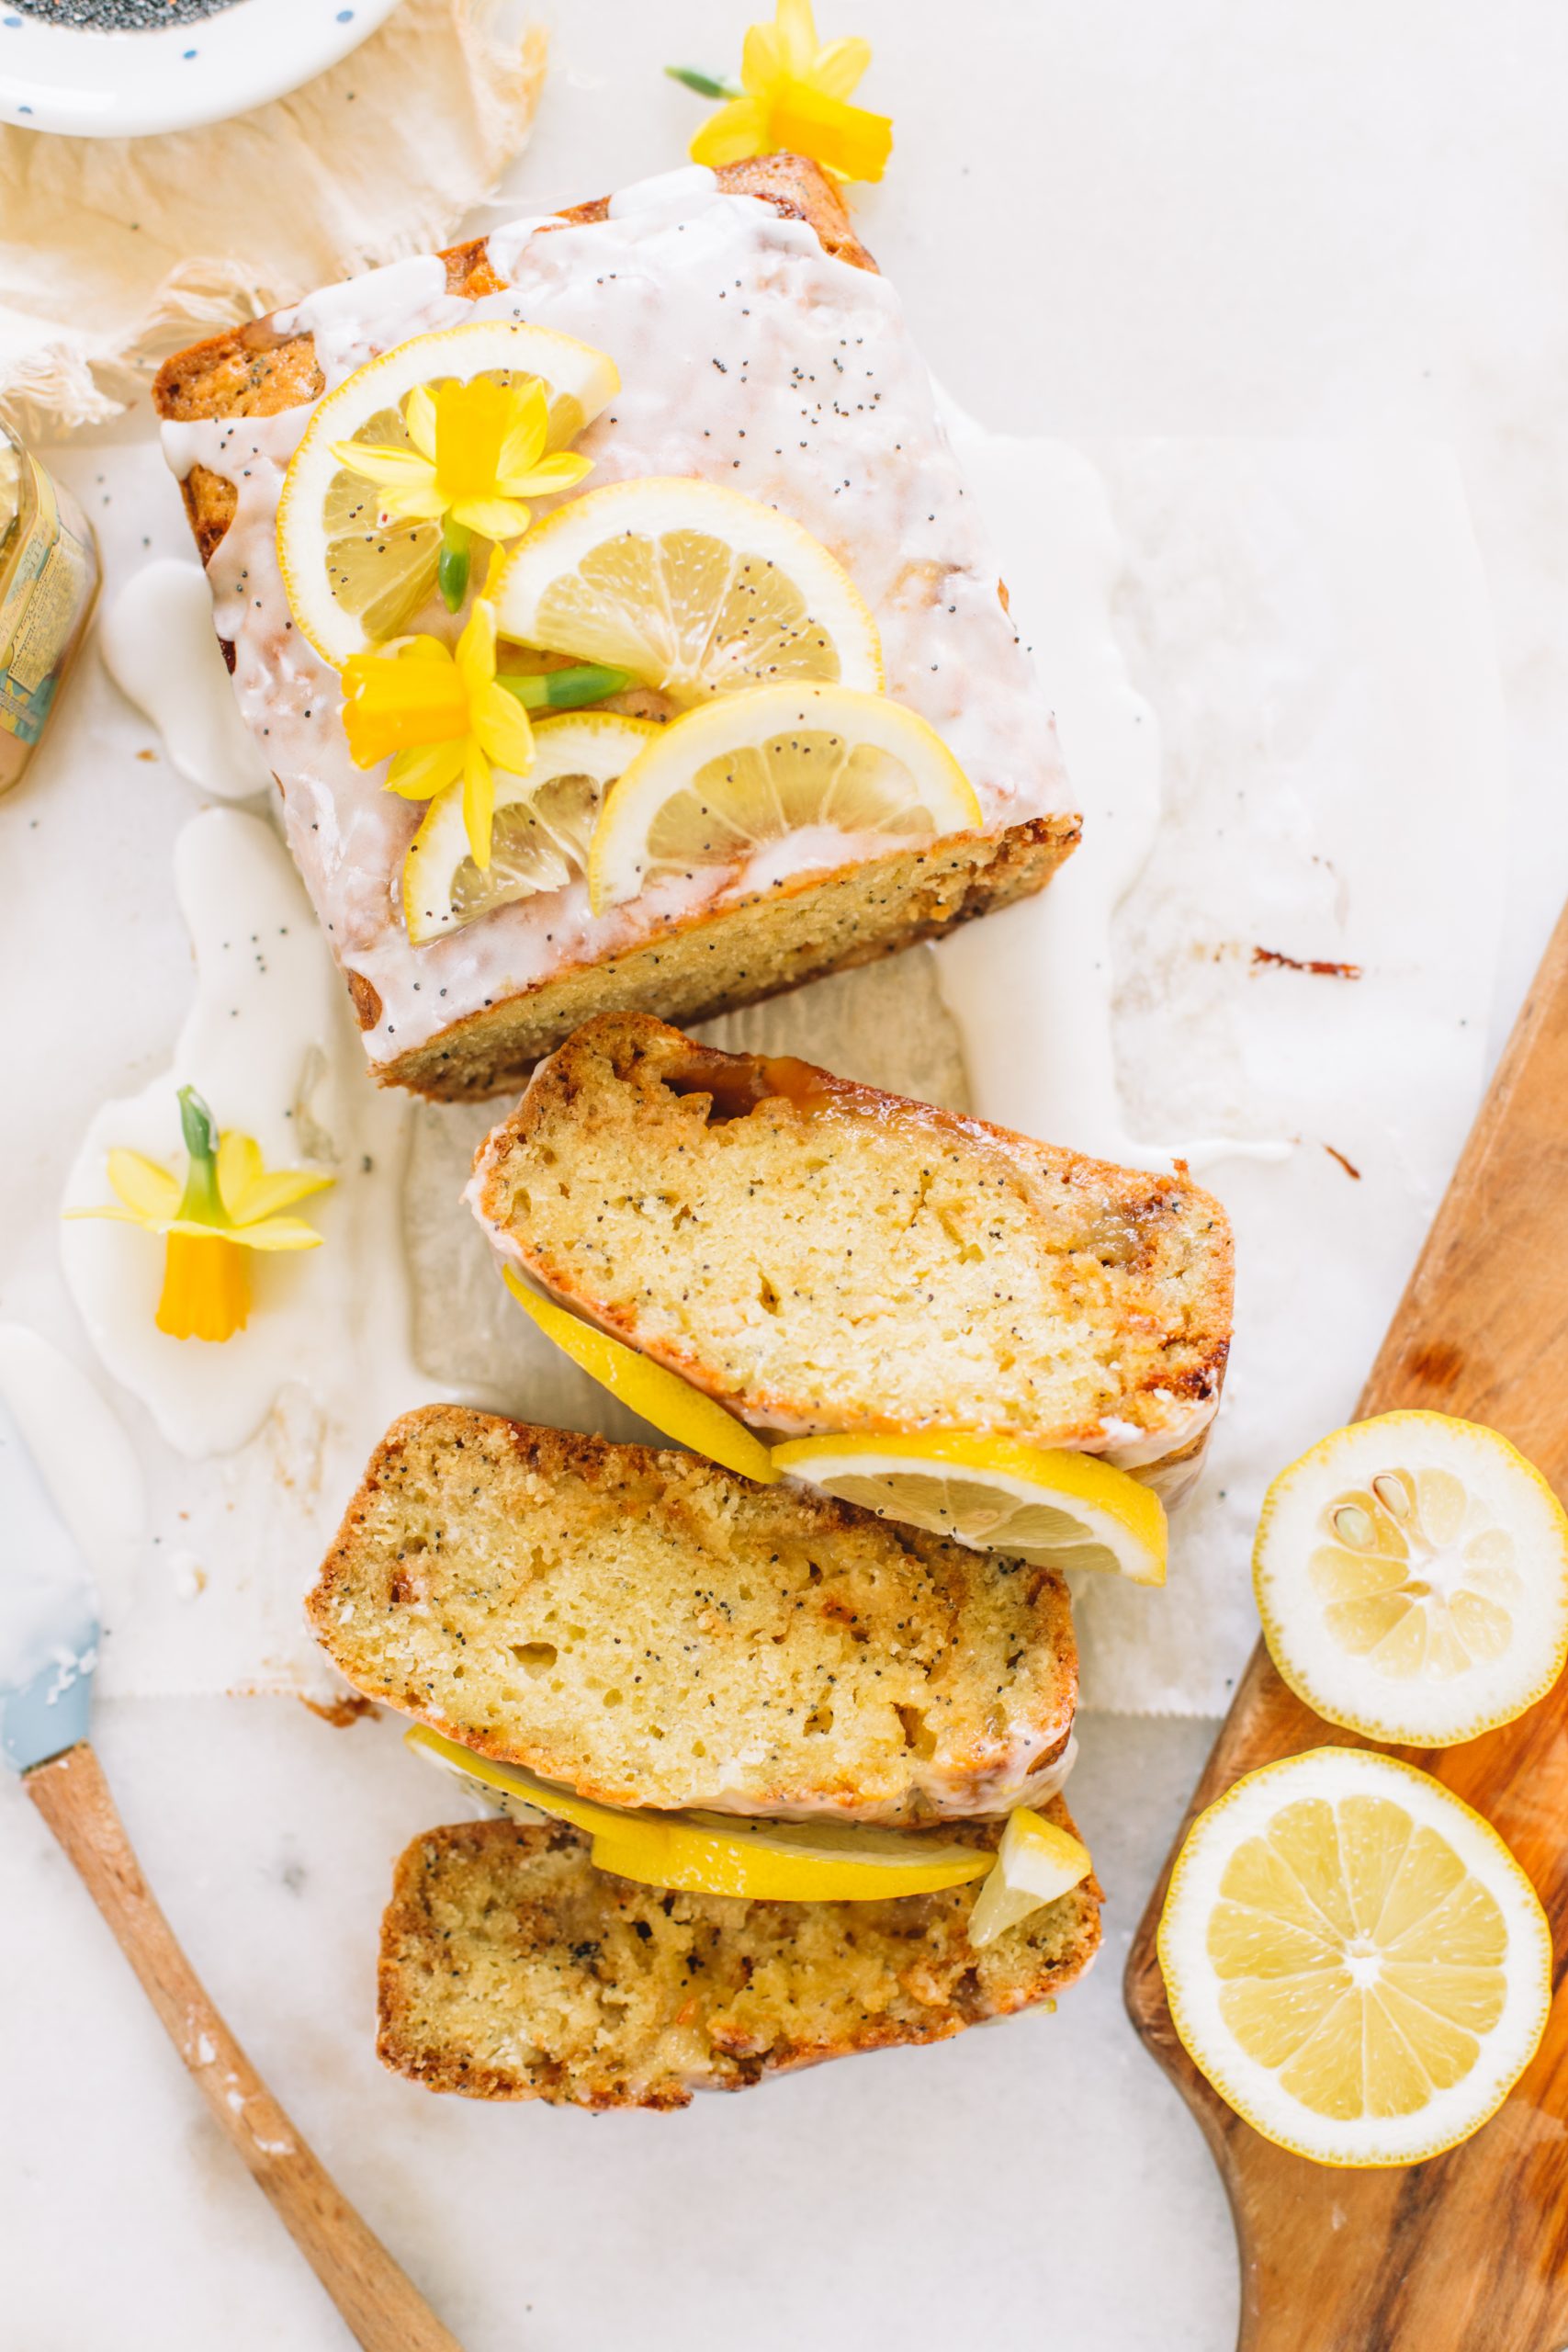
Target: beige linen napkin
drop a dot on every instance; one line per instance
(114, 252)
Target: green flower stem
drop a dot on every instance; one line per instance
(566, 689)
(706, 85)
(452, 564)
(201, 1200)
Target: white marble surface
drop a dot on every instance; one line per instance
(1175, 216)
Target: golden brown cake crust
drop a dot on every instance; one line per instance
(258, 370)
(1020, 1243)
(648, 1629)
(511, 1968)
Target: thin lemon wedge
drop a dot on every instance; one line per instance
(1070, 1510)
(1411, 1577)
(671, 1404)
(708, 1853)
(694, 588)
(1036, 1862)
(722, 783)
(1354, 1958)
(352, 581)
(542, 822)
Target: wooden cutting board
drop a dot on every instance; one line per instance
(1467, 2252)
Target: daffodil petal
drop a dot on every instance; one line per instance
(478, 805)
(796, 36)
(413, 505)
(737, 131)
(563, 470)
(149, 1192)
(419, 418)
(421, 773)
(493, 518)
(838, 68)
(527, 430)
(278, 1233)
(239, 1168)
(116, 1215)
(281, 1190)
(501, 725)
(763, 61)
(476, 649)
(397, 469)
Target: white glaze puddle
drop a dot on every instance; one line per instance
(64, 1422)
(159, 648)
(269, 1044)
(1033, 989)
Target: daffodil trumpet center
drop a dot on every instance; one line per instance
(568, 689)
(206, 1286)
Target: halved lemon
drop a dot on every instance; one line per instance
(351, 582)
(694, 588)
(662, 1396)
(1036, 1863)
(1068, 1511)
(708, 1853)
(1354, 1958)
(1411, 1577)
(724, 782)
(543, 823)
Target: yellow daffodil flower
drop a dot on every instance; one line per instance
(439, 714)
(227, 1205)
(794, 95)
(475, 456)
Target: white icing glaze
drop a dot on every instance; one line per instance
(269, 1044)
(158, 646)
(747, 355)
(63, 1421)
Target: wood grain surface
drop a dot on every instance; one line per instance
(377, 2301)
(1471, 2249)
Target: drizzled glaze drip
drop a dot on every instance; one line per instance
(748, 355)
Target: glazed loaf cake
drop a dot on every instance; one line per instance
(511, 1968)
(683, 282)
(822, 1257)
(652, 1629)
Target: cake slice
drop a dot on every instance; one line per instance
(511, 1968)
(651, 1630)
(758, 349)
(821, 1257)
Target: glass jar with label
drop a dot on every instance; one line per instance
(48, 578)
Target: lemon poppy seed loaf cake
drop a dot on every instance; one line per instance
(651, 1630)
(821, 1257)
(511, 1968)
(756, 352)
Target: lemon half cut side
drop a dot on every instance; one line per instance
(1411, 1577)
(1354, 1959)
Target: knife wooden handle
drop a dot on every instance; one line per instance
(1465, 2252)
(378, 2303)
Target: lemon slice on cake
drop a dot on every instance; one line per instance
(1412, 1575)
(352, 582)
(659, 1396)
(1067, 1510)
(708, 1853)
(693, 587)
(1036, 1863)
(542, 825)
(1354, 1958)
(722, 783)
